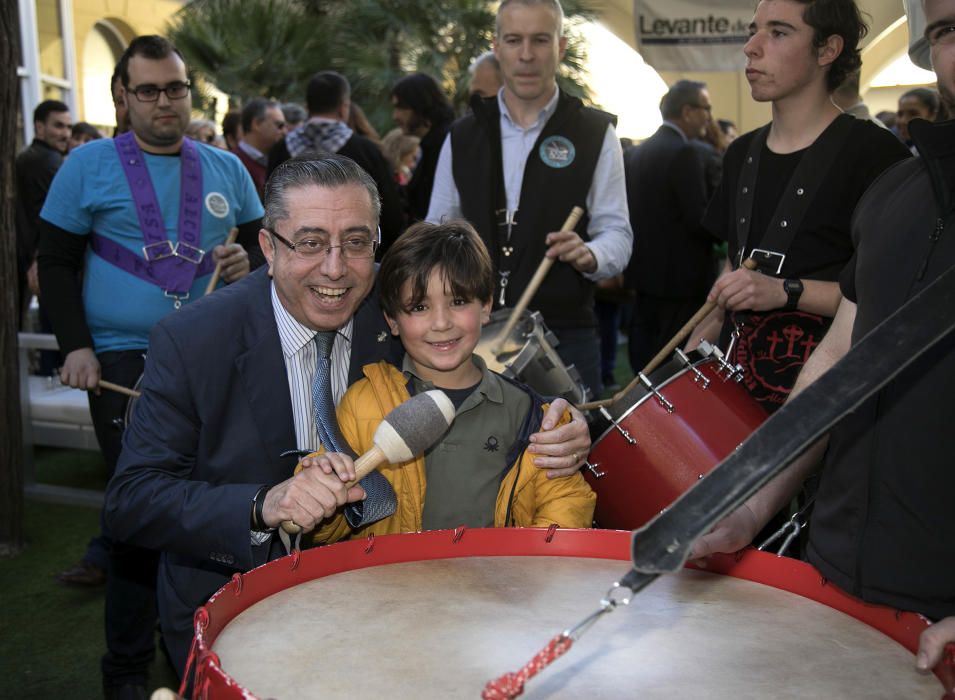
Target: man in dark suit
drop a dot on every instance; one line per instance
(671, 269)
(227, 390)
(35, 167)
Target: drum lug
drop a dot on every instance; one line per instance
(593, 469)
(660, 397)
(732, 372)
(620, 429)
(699, 378)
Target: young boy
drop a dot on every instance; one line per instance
(435, 286)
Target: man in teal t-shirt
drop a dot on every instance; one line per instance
(145, 218)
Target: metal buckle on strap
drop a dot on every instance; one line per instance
(189, 253)
(158, 251)
(767, 257)
(177, 299)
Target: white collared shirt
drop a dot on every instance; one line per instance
(301, 360)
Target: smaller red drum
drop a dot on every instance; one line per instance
(666, 434)
(439, 614)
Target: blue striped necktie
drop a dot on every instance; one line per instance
(381, 501)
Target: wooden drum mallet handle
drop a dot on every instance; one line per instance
(533, 286)
(666, 350)
(214, 280)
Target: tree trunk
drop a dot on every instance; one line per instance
(11, 435)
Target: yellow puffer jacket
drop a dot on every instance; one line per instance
(536, 501)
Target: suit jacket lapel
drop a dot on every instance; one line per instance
(261, 368)
(371, 338)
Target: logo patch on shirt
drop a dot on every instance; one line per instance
(491, 444)
(557, 151)
(217, 204)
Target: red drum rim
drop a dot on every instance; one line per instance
(245, 590)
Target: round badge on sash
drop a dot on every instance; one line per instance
(217, 205)
(557, 151)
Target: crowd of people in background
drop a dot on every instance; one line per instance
(697, 203)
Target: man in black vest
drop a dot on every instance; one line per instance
(788, 191)
(672, 266)
(515, 168)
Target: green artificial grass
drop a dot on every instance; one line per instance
(52, 635)
(83, 469)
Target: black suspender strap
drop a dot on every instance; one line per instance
(798, 195)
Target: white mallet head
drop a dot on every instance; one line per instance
(414, 426)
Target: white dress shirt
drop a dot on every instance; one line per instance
(301, 361)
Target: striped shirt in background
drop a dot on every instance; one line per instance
(301, 360)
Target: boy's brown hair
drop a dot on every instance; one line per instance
(453, 247)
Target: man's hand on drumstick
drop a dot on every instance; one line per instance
(81, 370)
(748, 289)
(312, 495)
(332, 463)
(932, 643)
(234, 259)
(570, 248)
(561, 449)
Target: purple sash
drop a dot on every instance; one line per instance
(173, 267)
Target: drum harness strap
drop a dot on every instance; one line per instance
(170, 266)
(791, 208)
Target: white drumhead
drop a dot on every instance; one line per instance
(443, 628)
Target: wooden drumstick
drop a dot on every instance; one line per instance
(533, 286)
(214, 280)
(119, 389)
(407, 431)
(667, 349)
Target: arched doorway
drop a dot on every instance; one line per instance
(101, 50)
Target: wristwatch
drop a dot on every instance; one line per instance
(793, 289)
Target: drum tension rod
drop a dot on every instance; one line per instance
(698, 377)
(620, 429)
(645, 380)
(593, 469)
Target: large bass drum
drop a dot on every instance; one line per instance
(663, 435)
(439, 614)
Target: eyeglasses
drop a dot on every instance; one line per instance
(150, 93)
(351, 248)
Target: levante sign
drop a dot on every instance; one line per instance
(686, 35)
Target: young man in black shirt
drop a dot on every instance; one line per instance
(882, 528)
(788, 192)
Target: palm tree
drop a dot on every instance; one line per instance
(250, 48)
(271, 47)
